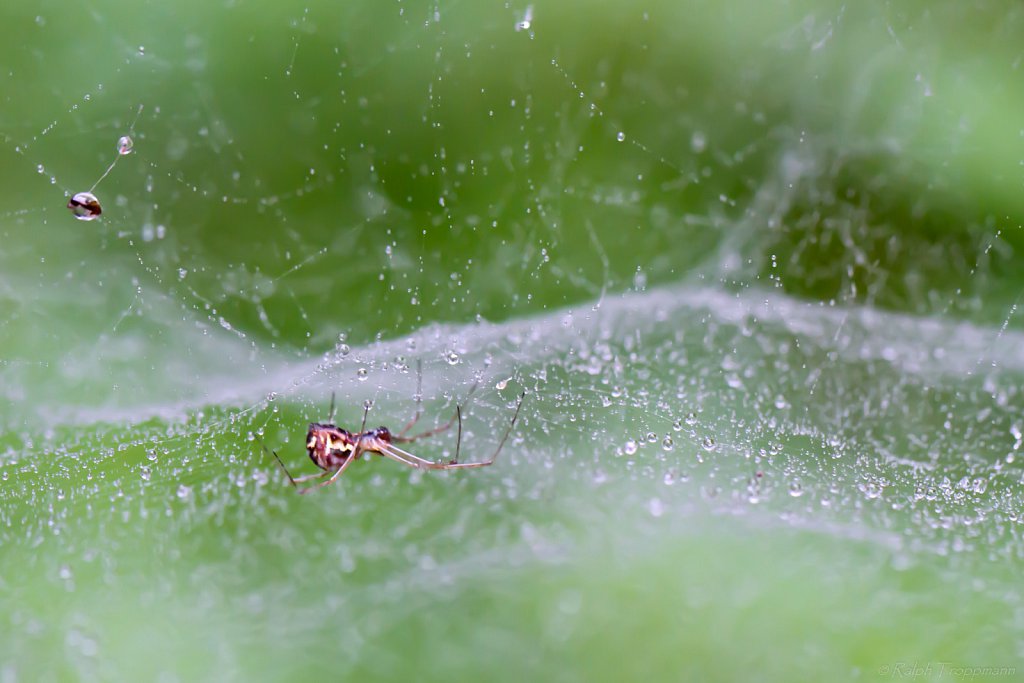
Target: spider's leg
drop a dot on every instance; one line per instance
(317, 475)
(287, 473)
(293, 480)
(366, 411)
(407, 458)
(419, 399)
(330, 415)
(456, 464)
(437, 430)
(458, 439)
(337, 472)
(400, 456)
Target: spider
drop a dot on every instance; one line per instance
(333, 449)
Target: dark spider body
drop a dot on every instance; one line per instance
(330, 446)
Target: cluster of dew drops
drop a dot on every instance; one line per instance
(85, 206)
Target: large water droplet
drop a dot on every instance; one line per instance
(85, 206)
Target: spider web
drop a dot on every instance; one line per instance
(717, 308)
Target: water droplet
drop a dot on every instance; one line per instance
(125, 145)
(621, 136)
(708, 443)
(651, 437)
(344, 350)
(630, 447)
(452, 358)
(691, 418)
(527, 20)
(656, 507)
(677, 426)
(65, 572)
(872, 490)
(367, 404)
(146, 473)
(184, 491)
(361, 374)
(85, 206)
(639, 280)
(272, 396)
(667, 444)
(698, 143)
(796, 489)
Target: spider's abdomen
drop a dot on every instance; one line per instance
(328, 446)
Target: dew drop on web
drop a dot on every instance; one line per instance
(85, 206)
(526, 21)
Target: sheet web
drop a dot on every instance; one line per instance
(701, 290)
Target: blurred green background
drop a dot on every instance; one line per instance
(756, 263)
